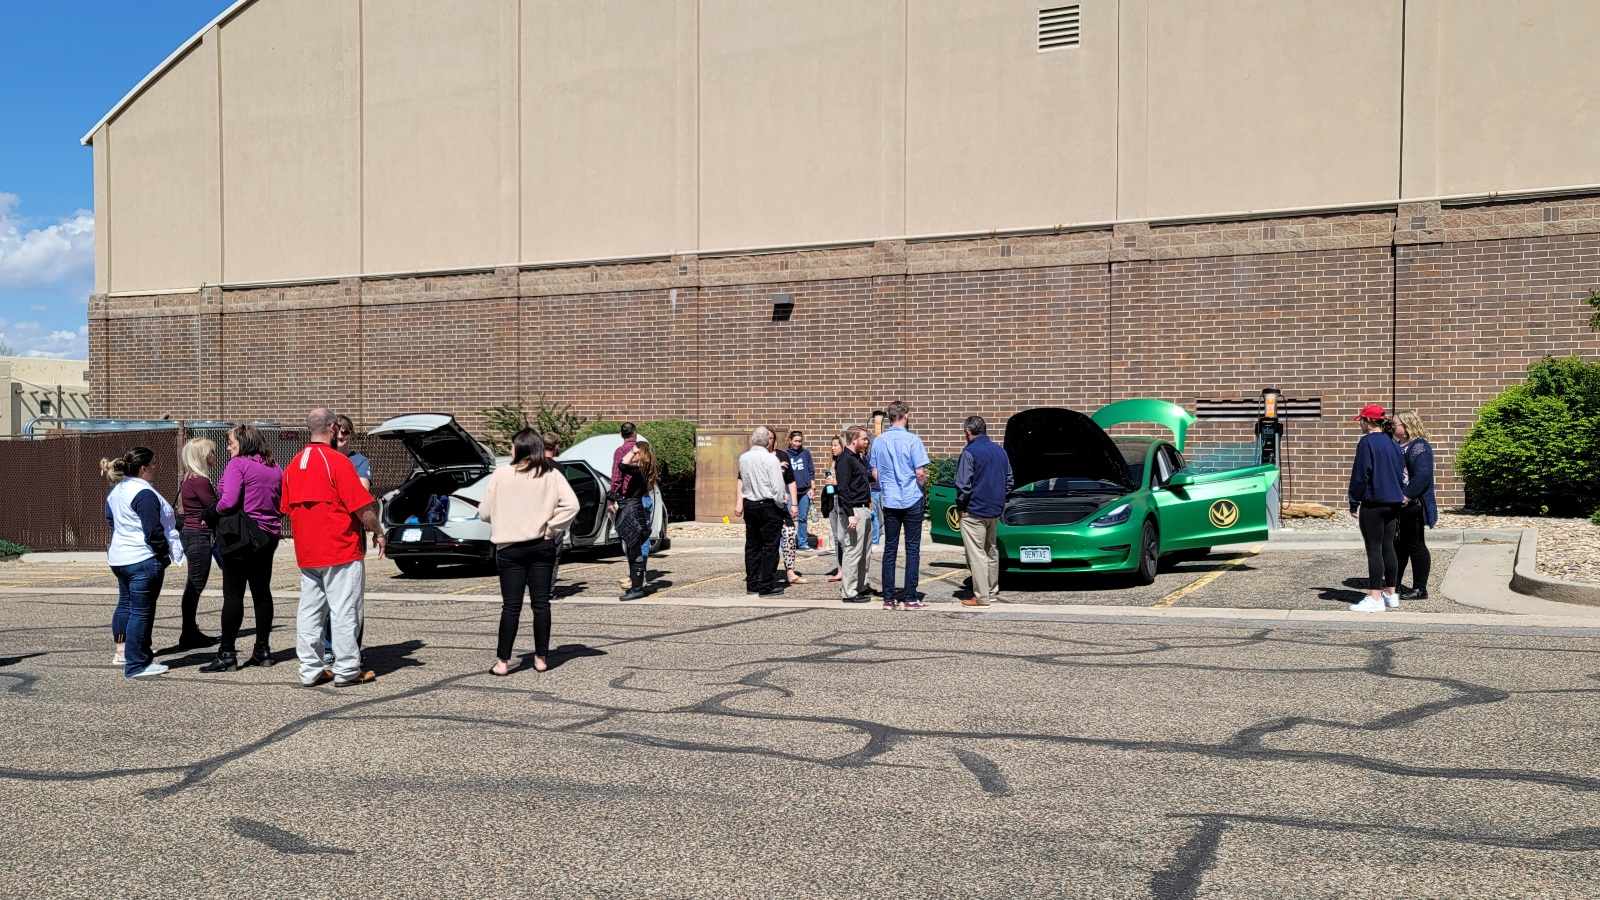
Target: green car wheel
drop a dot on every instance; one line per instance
(1149, 554)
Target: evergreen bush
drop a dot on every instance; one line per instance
(672, 440)
(1536, 447)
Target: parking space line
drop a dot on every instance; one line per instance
(950, 574)
(1205, 579)
(679, 587)
(469, 588)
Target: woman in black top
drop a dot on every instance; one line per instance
(787, 510)
(1419, 511)
(830, 492)
(634, 514)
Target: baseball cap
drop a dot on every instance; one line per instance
(1370, 411)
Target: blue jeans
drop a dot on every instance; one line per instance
(138, 586)
(877, 515)
(801, 539)
(893, 521)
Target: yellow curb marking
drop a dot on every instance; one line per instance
(1205, 579)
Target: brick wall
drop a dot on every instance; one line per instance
(1435, 307)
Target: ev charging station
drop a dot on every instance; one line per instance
(1269, 412)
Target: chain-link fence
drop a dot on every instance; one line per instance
(52, 495)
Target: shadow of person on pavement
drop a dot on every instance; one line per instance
(387, 658)
(558, 655)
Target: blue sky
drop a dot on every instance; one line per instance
(63, 65)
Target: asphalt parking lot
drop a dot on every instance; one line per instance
(692, 751)
(1311, 579)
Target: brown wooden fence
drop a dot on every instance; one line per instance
(52, 496)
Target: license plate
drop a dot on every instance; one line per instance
(411, 535)
(1035, 554)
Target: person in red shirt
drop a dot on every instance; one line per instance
(327, 506)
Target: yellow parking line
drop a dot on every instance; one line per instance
(679, 587)
(950, 574)
(1205, 579)
(471, 587)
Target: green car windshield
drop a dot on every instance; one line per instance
(1133, 453)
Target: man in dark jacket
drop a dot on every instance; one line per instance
(983, 479)
(853, 499)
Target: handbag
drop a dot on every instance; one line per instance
(237, 533)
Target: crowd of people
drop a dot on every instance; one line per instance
(1392, 499)
(876, 486)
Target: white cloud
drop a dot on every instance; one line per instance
(44, 257)
(38, 307)
(35, 340)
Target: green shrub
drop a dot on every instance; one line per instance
(1594, 517)
(1536, 447)
(942, 469)
(672, 439)
(7, 548)
(505, 420)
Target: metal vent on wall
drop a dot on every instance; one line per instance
(1058, 27)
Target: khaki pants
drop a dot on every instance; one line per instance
(982, 543)
(857, 546)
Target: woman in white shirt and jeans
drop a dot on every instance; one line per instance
(144, 542)
(528, 506)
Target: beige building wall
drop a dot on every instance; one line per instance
(165, 180)
(1000, 135)
(1261, 104)
(1518, 102)
(439, 150)
(418, 135)
(26, 384)
(291, 140)
(608, 127)
(802, 121)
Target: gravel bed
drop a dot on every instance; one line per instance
(1569, 549)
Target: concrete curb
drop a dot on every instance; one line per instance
(1525, 577)
(1337, 620)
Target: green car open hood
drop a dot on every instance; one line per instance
(1170, 416)
(1062, 443)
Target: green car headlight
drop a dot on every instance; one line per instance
(1118, 516)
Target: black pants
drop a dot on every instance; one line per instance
(253, 568)
(197, 550)
(633, 529)
(1379, 523)
(526, 568)
(1411, 545)
(763, 530)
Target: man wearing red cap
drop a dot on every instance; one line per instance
(327, 505)
(1377, 490)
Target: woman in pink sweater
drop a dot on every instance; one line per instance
(528, 506)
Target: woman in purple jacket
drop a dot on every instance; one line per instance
(252, 483)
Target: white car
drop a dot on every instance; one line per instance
(453, 466)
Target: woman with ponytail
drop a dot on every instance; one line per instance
(144, 542)
(1377, 489)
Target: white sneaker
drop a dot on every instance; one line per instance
(118, 659)
(1369, 604)
(154, 668)
(1392, 601)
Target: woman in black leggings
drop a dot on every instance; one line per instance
(1376, 493)
(1419, 511)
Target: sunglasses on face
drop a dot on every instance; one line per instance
(345, 432)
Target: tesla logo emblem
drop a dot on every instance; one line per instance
(1224, 513)
(952, 517)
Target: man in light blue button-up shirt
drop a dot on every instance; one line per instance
(900, 463)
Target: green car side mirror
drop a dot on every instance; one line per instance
(1180, 479)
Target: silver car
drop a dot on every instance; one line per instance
(452, 471)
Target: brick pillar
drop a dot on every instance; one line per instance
(100, 355)
(210, 400)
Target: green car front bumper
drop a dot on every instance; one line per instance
(1075, 548)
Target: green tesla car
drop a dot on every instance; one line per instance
(1085, 501)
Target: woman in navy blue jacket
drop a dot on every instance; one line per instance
(1376, 493)
(1419, 511)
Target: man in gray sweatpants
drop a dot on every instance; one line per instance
(325, 500)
